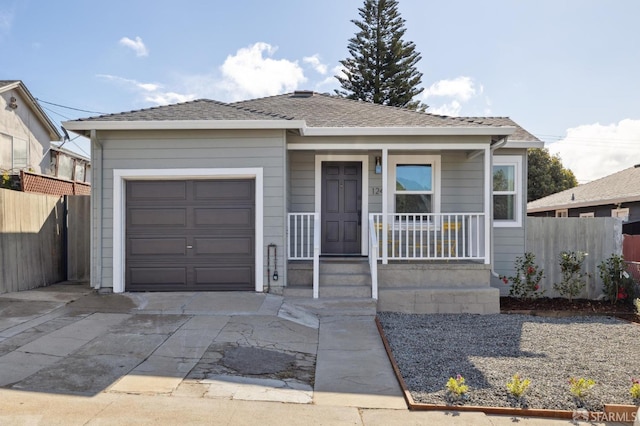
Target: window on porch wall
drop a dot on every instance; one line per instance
(414, 184)
(507, 191)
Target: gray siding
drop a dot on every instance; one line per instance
(302, 181)
(509, 243)
(195, 149)
(462, 183)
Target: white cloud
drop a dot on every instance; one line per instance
(451, 109)
(593, 151)
(136, 45)
(331, 82)
(459, 88)
(149, 92)
(249, 74)
(314, 61)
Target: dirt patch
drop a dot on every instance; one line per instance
(560, 307)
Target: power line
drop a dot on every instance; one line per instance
(68, 107)
(56, 112)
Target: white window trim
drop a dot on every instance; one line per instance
(510, 160)
(621, 213)
(394, 160)
(12, 140)
(562, 213)
(120, 178)
(588, 214)
(362, 158)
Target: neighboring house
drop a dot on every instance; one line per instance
(28, 158)
(616, 195)
(208, 196)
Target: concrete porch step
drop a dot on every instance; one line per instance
(440, 300)
(334, 291)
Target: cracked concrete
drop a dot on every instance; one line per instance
(234, 345)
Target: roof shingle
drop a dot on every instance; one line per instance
(622, 186)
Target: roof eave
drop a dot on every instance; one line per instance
(54, 134)
(82, 127)
(524, 144)
(408, 131)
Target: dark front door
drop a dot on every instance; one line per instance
(341, 207)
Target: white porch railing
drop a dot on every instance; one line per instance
(373, 258)
(303, 234)
(434, 236)
(300, 232)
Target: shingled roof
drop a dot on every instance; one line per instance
(620, 187)
(322, 110)
(200, 109)
(315, 110)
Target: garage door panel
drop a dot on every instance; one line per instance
(237, 217)
(190, 235)
(158, 275)
(237, 190)
(157, 246)
(155, 217)
(151, 190)
(226, 247)
(236, 278)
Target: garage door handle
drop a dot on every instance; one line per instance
(189, 247)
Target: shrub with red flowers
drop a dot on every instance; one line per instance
(573, 277)
(618, 284)
(525, 283)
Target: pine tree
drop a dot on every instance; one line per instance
(382, 66)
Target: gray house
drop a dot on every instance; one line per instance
(308, 195)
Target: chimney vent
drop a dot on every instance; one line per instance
(302, 93)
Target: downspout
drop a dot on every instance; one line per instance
(96, 214)
(502, 142)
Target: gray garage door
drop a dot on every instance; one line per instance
(190, 235)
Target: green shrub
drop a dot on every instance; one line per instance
(525, 283)
(573, 277)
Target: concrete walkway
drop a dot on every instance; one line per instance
(71, 356)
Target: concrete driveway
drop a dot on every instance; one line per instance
(69, 355)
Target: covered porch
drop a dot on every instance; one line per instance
(421, 218)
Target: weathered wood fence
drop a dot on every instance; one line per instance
(44, 239)
(547, 237)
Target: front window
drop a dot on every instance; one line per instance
(507, 191)
(414, 188)
(413, 183)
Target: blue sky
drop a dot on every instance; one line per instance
(566, 70)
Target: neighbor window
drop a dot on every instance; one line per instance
(414, 183)
(621, 213)
(562, 213)
(588, 214)
(15, 152)
(507, 190)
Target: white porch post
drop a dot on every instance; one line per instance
(488, 201)
(385, 207)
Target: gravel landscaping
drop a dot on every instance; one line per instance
(487, 350)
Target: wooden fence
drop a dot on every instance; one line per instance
(547, 237)
(35, 235)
